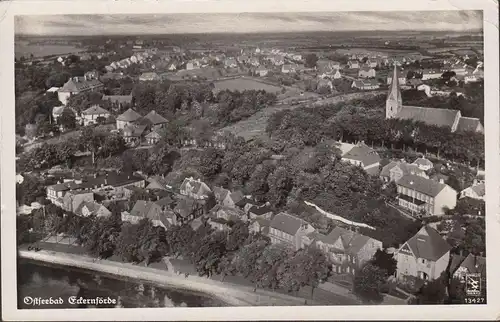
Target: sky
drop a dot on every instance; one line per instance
(73, 25)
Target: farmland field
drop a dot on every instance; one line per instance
(243, 83)
(44, 50)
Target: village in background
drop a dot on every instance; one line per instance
(336, 168)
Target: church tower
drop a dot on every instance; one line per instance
(394, 102)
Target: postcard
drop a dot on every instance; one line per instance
(218, 160)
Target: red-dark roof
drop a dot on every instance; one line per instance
(426, 186)
(433, 116)
(286, 223)
(129, 116)
(363, 153)
(428, 244)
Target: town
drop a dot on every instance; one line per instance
(333, 170)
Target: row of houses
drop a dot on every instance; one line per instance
(137, 58)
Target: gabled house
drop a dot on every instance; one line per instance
(90, 115)
(363, 156)
(425, 196)
(133, 133)
(365, 84)
(147, 209)
(264, 211)
(287, 229)
(262, 71)
(245, 204)
(353, 64)
(346, 249)
(73, 199)
(158, 182)
(88, 208)
(472, 264)
(153, 137)
(431, 74)
(77, 85)
(288, 68)
(425, 256)
(372, 63)
(395, 170)
(423, 163)
(56, 192)
(232, 198)
(476, 191)
(220, 194)
(194, 188)
(470, 124)
(129, 117)
(188, 209)
(260, 225)
(366, 72)
(155, 120)
(230, 63)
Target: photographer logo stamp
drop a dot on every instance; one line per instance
(473, 284)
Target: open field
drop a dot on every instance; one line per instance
(245, 83)
(45, 50)
(255, 126)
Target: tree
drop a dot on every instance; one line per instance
(310, 60)
(113, 144)
(67, 119)
(368, 282)
(433, 292)
(91, 140)
(385, 261)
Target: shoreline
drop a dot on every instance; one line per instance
(232, 295)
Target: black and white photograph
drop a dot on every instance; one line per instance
(250, 159)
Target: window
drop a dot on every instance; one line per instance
(423, 260)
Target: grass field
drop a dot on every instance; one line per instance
(245, 83)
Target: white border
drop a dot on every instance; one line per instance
(7, 148)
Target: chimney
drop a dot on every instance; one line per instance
(441, 180)
(106, 181)
(95, 175)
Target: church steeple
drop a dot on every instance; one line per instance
(394, 101)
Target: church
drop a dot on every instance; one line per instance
(451, 119)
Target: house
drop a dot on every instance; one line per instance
(172, 66)
(119, 101)
(188, 209)
(230, 63)
(133, 133)
(150, 210)
(260, 225)
(153, 137)
(366, 72)
(472, 264)
(219, 224)
(400, 75)
(89, 208)
(245, 204)
(287, 229)
(73, 199)
(424, 256)
(90, 115)
(363, 156)
(335, 74)
(395, 170)
(220, 194)
(421, 195)
(476, 191)
(194, 188)
(158, 182)
(77, 85)
(346, 249)
(57, 112)
(228, 214)
(129, 117)
(155, 120)
(277, 60)
(56, 192)
(365, 84)
(19, 178)
(260, 212)
(353, 64)
(324, 83)
(288, 68)
(372, 63)
(149, 76)
(113, 182)
(254, 61)
(423, 163)
(431, 74)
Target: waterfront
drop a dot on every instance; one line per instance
(47, 280)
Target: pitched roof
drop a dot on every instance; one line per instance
(79, 84)
(468, 124)
(426, 186)
(237, 196)
(286, 223)
(428, 244)
(92, 206)
(155, 118)
(129, 116)
(159, 179)
(363, 153)
(405, 167)
(474, 264)
(365, 82)
(351, 241)
(479, 189)
(134, 130)
(196, 185)
(258, 211)
(58, 110)
(118, 99)
(142, 208)
(394, 92)
(165, 201)
(95, 109)
(220, 193)
(434, 116)
(243, 202)
(423, 161)
(149, 75)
